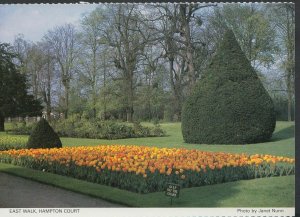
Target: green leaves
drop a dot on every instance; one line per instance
(43, 136)
(154, 181)
(229, 104)
(14, 99)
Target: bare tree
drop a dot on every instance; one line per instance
(91, 47)
(128, 39)
(187, 18)
(21, 48)
(284, 23)
(62, 40)
(251, 28)
(177, 27)
(36, 61)
(46, 76)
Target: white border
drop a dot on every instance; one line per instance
(149, 212)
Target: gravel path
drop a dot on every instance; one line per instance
(20, 192)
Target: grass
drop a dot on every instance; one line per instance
(281, 144)
(266, 192)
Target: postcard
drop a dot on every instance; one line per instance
(147, 109)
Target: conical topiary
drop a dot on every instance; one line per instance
(43, 136)
(229, 105)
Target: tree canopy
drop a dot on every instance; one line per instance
(14, 99)
(140, 62)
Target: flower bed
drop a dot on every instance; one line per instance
(148, 169)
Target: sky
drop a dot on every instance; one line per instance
(34, 20)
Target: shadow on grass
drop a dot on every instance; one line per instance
(207, 196)
(56, 197)
(262, 192)
(285, 133)
(265, 192)
(106, 193)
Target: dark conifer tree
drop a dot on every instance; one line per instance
(14, 99)
(43, 136)
(229, 105)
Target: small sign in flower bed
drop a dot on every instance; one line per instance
(148, 169)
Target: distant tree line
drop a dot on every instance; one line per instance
(139, 62)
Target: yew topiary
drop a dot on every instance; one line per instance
(43, 136)
(229, 105)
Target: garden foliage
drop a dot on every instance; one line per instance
(96, 129)
(12, 142)
(14, 97)
(43, 136)
(22, 128)
(229, 105)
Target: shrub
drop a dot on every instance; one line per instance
(43, 136)
(86, 129)
(157, 131)
(67, 127)
(12, 142)
(78, 127)
(140, 131)
(98, 129)
(155, 121)
(21, 129)
(229, 105)
(114, 130)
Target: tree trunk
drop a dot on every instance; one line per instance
(34, 84)
(289, 66)
(46, 98)
(289, 90)
(94, 103)
(1, 123)
(48, 110)
(186, 33)
(94, 83)
(129, 114)
(191, 68)
(66, 100)
(48, 104)
(47, 94)
(289, 109)
(104, 94)
(176, 89)
(129, 110)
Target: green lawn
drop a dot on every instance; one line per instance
(282, 143)
(266, 192)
